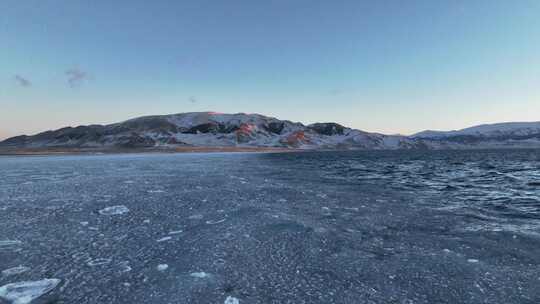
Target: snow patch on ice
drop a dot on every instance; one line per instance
(114, 210)
(162, 267)
(26, 292)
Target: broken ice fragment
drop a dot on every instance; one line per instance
(213, 222)
(162, 267)
(124, 266)
(156, 191)
(164, 239)
(26, 292)
(9, 243)
(98, 262)
(231, 300)
(114, 210)
(199, 275)
(15, 270)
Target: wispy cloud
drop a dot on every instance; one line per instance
(76, 77)
(23, 82)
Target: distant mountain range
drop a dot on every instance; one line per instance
(209, 129)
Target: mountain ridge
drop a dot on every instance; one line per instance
(213, 129)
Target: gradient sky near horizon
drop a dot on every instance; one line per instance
(385, 66)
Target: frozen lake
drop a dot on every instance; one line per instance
(328, 227)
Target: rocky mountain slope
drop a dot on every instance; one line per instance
(209, 129)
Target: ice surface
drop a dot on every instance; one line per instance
(381, 228)
(162, 267)
(15, 270)
(26, 292)
(114, 210)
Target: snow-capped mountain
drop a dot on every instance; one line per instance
(210, 129)
(519, 134)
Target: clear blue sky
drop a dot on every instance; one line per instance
(387, 66)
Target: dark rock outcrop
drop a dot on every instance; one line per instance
(327, 128)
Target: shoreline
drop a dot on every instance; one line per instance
(100, 151)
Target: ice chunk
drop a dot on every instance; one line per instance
(473, 261)
(164, 239)
(162, 267)
(98, 262)
(15, 270)
(7, 243)
(114, 210)
(26, 292)
(156, 191)
(176, 232)
(196, 217)
(199, 275)
(231, 300)
(124, 266)
(213, 222)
